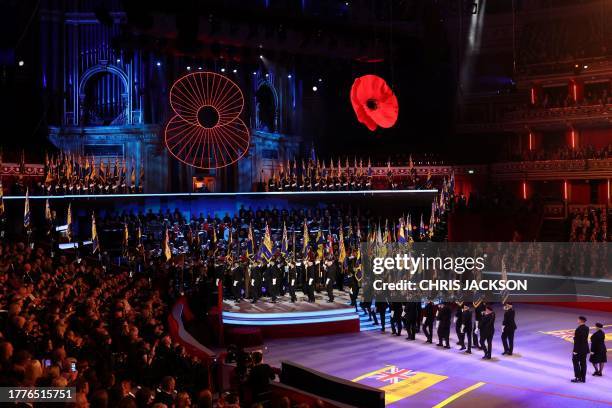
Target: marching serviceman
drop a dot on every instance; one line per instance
(487, 330)
(353, 282)
(466, 329)
(508, 329)
(581, 350)
(237, 277)
(429, 315)
(457, 321)
(411, 319)
(276, 275)
(257, 280)
(397, 309)
(444, 325)
(329, 269)
(311, 272)
(381, 309)
(291, 272)
(479, 308)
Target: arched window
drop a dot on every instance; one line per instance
(266, 108)
(104, 101)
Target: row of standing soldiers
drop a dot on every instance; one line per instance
(344, 182)
(247, 279)
(474, 325)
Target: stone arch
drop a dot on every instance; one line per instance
(102, 69)
(267, 107)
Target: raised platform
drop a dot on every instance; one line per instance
(237, 194)
(286, 319)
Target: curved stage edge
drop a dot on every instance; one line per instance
(293, 324)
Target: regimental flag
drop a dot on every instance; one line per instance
(142, 176)
(285, 242)
(330, 242)
(401, 233)
(95, 242)
(320, 243)
(379, 237)
(133, 175)
(139, 238)
(126, 237)
(432, 219)
(306, 240)
(214, 238)
(166, 245)
(27, 216)
(409, 228)
(422, 227)
(69, 223)
(341, 249)
(266, 249)
(387, 236)
(250, 242)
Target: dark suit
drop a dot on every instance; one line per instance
(330, 276)
(487, 330)
(412, 319)
(256, 281)
(458, 314)
(381, 309)
(508, 331)
(478, 310)
(291, 280)
(310, 276)
(580, 352)
(444, 325)
(397, 309)
(429, 314)
(466, 333)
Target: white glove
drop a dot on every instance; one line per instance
(310, 281)
(327, 281)
(298, 264)
(462, 330)
(274, 281)
(252, 282)
(424, 320)
(403, 313)
(292, 282)
(217, 282)
(235, 283)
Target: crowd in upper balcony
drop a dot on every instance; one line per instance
(588, 152)
(588, 225)
(563, 39)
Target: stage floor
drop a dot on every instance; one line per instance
(284, 305)
(422, 375)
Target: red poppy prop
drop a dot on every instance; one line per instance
(205, 131)
(374, 102)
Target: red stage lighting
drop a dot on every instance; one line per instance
(374, 102)
(206, 132)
